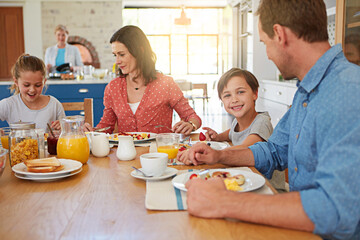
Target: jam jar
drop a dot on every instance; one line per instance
(23, 142)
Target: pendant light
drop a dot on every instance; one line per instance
(183, 20)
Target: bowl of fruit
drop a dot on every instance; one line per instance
(3, 155)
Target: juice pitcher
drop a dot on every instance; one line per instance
(73, 143)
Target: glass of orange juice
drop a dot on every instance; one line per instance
(168, 143)
(4, 134)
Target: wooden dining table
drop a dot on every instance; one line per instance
(104, 201)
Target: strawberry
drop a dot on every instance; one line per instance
(202, 137)
(194, 175)
(182, 148)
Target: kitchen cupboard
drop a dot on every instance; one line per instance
(347, 28)
(276, 98)
(70, 91)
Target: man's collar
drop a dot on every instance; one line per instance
(317, 72)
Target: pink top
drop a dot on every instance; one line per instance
(156, 106)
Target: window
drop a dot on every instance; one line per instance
(182, 50)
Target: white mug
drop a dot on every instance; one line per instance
(154, 164)
(100, 146)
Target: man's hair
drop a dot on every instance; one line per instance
(237, 72)
(306, 18)
(139, 47)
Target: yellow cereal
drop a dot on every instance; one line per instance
(232, 185)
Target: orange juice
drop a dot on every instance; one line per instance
(171, 150)
(5, 141)
(74, 147)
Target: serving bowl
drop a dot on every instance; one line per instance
(3, 155)
(100, 73)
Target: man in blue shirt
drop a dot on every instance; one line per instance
(318, 139)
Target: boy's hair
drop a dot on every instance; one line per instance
(306, 18)
(61, 27)
(26, 63)
(139, 47)
(248, 76)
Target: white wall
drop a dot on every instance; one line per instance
(263, 68)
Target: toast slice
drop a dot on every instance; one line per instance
(43, 162)
(45, 169)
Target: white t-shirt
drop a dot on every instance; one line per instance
(13, 109)
(134, 106)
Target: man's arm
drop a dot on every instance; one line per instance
(210, 199)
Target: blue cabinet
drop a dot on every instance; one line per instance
(66, 92)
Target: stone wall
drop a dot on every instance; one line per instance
(94, 21)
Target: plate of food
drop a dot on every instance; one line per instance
(137, 136)
(47, 178)
(234, 179)
(47, 167)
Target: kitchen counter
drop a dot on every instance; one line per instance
(58, 81)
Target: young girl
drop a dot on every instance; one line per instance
(28, 104)
(238, 90)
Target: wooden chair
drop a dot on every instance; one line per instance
(186, 87)
(86, 106)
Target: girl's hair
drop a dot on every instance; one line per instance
(26, 63)
(139, 47)
(61, 28)
(248, 76)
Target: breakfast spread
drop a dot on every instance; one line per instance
(44, 165)
(232, 183)
(136, 136)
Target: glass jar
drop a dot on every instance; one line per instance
(73, 143)
(23, 142)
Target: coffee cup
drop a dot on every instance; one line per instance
(154, 164)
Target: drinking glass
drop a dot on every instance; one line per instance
(168, 143)
(4, 133)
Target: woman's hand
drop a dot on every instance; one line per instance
(55, 125)
(210, 134)
(183, 157)
(87, 128)
(48, 67)
(183, 127)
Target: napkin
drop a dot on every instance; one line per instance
(162, 195)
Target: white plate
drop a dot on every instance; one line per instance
(214, 145)
(169, 172)
(253, 181)
(152, 137)
(69, 166)
(46, 178)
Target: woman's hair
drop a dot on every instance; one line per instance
(61, 27)
(306, 18)
(237, 72)
(139, 47)
(26, 63)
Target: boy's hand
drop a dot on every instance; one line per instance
(210, 134)
(183, 157)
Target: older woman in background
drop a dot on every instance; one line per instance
(142, 98)
(62, 52)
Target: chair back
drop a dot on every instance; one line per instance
(86, 106)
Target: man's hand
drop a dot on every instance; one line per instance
(202, 153)
(205, 197)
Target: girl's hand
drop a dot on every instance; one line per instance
(183, 157)
(87, 128)
(210, 134)
(55, 125)
(183, 127)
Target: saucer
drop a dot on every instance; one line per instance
(169, 172)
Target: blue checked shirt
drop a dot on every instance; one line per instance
(318, 139)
